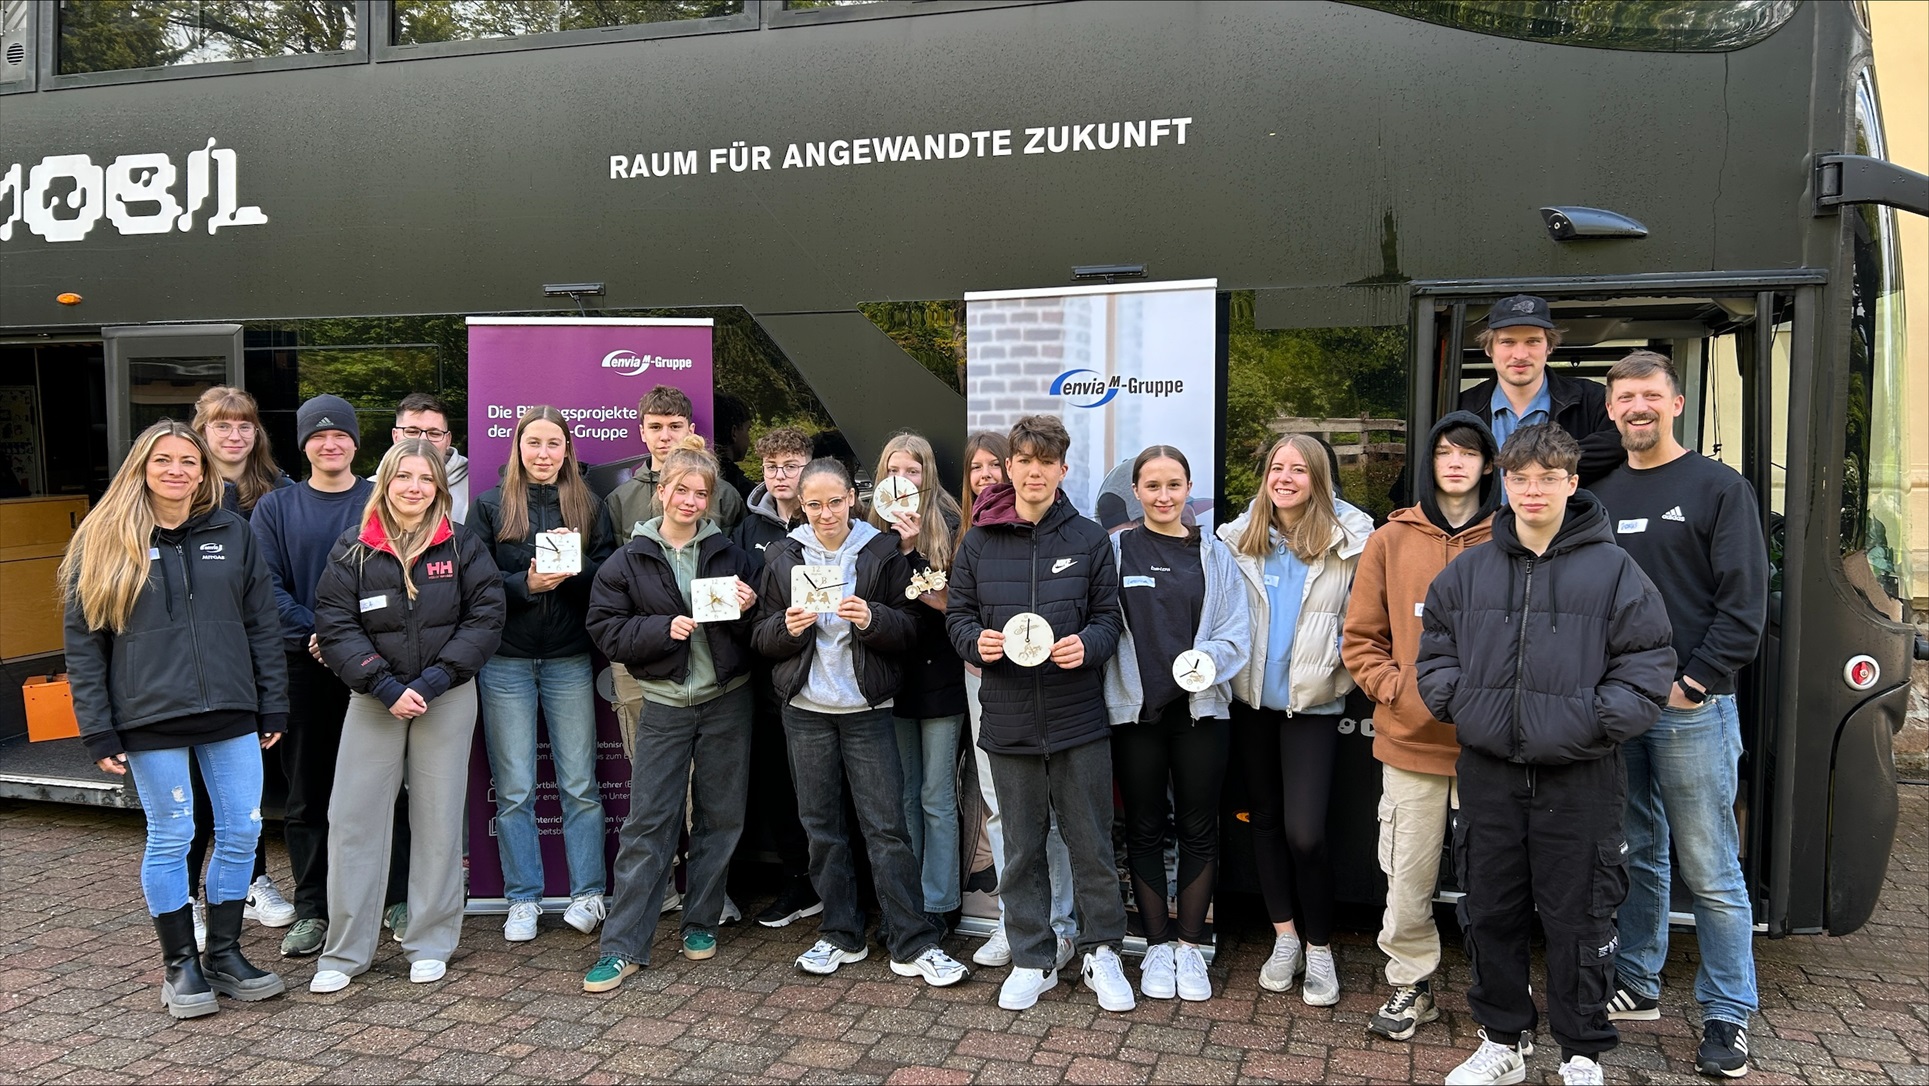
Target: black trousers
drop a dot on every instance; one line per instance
(1548, 838)
(1288, 763)
(1189, 757)
(317, 702)
(773, 788)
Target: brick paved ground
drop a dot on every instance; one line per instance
(79, 996)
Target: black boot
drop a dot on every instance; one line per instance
(184, 992)
(226, 970)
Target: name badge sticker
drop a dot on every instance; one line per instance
(1272, 580)
(1141, 582)
(1419, 609)
(374, 603)
(1629, 527)
(153, 554)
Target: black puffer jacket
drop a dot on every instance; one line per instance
(877, 650)
(1062, 570)
(636, 595)
(542, 625)
(381, 642)
(1546, 659)
(203, 637)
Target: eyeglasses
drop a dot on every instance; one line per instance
(1536, 483)
(244, 429)
(418, 431)
(835, 505)
(782, 471)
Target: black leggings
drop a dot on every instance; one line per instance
(1191, 757)
(1288, 762)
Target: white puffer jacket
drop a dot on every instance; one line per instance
(1318, 675)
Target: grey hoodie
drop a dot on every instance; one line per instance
(1224, 635)
(831, 686)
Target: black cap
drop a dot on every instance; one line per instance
(1517, 310)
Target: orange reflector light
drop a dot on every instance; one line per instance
(67, 298)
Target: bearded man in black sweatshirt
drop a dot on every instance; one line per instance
(1693, 525)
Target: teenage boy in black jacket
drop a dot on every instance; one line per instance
(1694, 526)
(1546, 650)
(1045, 728)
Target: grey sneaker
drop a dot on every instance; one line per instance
(1286, 962)
(396, 919)
(1492, 1064)
(305, 938)
(1322, 987)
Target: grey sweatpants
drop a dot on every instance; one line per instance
(377, 751)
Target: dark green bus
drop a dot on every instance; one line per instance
(312, 195)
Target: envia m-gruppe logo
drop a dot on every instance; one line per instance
(1090, 388)
(630, 364)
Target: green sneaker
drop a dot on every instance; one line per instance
(396, 919)
(699, 944)
(304, 938)
(608, 972)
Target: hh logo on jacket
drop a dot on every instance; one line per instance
(441, 571)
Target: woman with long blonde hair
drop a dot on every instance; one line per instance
(544, 660)
(173, 655)
(229, 420)
(408, 610)
(1296, 547)
(929, 711)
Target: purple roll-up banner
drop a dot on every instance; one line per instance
(594, 370)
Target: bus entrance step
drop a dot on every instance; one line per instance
(59, 771)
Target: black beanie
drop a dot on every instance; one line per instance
(325, 413)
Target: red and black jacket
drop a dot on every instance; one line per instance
(381, 642)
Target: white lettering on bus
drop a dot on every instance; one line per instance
(134, 192)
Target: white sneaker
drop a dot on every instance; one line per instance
(938, 969)
(996, 951)
(824, 957)
(1066, 951)
(1492, 1065)
(1105, 976)
(1581, 1071)
(1158, 976)
(201, 925)
(427, 971)
(1286, 962)
(731, 913)
(1023, 987)
(1194, 983)
(584, 913)
(1322, 987)
(521, 925)
(328, 980)
(672, 900)
(266, 905)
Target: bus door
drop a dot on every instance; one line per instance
(1731, 338)
(157, 372)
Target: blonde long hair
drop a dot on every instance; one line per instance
(409, 545)
(105, 567)
(935, 540)
(1313, 535)
(572, 493)
(259, 474)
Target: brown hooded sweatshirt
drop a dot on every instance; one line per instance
(1382, 635)
(1381, 638)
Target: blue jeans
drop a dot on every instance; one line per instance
(510, 688)
(928, 758)
(232, 770)
(1681, 784)
(826, 750)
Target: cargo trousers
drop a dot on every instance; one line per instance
(1547, 837)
